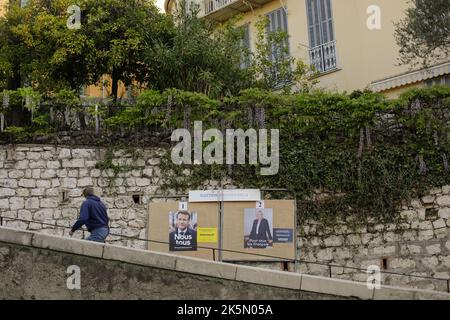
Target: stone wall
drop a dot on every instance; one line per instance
(418, 244)
(34, 266)
(44, 184)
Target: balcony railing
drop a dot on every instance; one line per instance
(323, 57)
(214, 5)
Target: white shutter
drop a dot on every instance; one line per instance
(320, 22)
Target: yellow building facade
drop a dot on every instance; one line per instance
(351, 42)
(3, 4)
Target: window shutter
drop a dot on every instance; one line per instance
(320, 22)
(277, 22)
(245, 43)
(313, 23)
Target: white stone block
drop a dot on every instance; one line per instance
(69, 212)
(24, 215)
(445, 261)
(39, 164)
(69, 183)
(425, 235)
(4, 203)
(334, 241)
(444, 213)
(43, 214)
(53, 165)
(142, 182)
(36, 192)
(16, 203)
(27, 183)
(22, 164)
(435, 191)
(433, 249)
(7, 192)
(47, 155)
(83, 153)
(409, 215)
(95, 173)
(36, 173)
(73, 163)
(72, 173)
(426, 225)
(65, 154)
(402, 264)
(83, 172)
(43, 184)
(48, 174)
(147, 172)
(32, 203)
(85, 182)
(407, 250)
(428, 199)
(438, 224)
(8, 183)
(49, 203)
(429, 262)
(22, 192)
(33, 155)
(16, 174)
(384, 250)
(443, 201)
(416, 204)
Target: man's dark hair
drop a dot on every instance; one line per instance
(89, 191)
(185, 213)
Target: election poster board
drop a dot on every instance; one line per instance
(185, 229)
(253, 229)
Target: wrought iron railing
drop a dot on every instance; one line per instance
(324, 57)
(214, 5)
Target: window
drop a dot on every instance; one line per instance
(280, 68)
(321, 35)
(246, 47)
(277, 23)
(137, 198)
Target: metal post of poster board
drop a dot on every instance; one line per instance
(295, 220)
(221, 206)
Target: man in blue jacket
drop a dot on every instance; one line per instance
(93, 214)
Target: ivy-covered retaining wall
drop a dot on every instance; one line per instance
(44, 183)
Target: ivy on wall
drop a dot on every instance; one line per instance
(340, 154)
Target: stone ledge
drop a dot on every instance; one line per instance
(294, 281)
(206, 268)
(139, 257)
(431, 295)
(74, 246)
(337, 287)
(393, 293)
(267, 277)
(11, 235)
